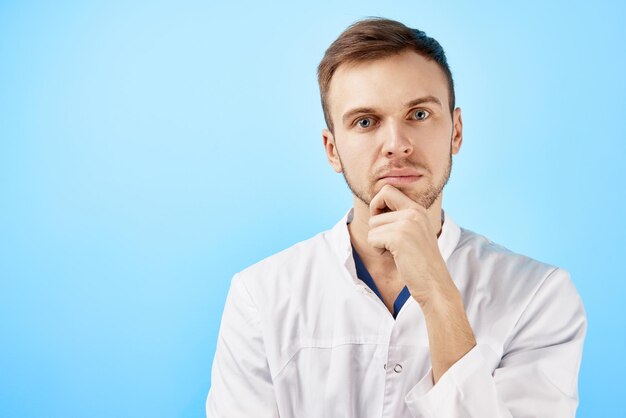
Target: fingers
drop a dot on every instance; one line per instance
(390, 205)
(389, 198)
(380, 238)
(384, 218)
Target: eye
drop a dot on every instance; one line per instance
(365, 123)
(421, 114)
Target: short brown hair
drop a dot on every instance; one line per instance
(375, 38)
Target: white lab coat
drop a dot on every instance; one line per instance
(301, 336)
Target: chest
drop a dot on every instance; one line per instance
(389, 286)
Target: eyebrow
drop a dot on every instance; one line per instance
(415, 102)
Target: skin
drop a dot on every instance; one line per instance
(396, 224)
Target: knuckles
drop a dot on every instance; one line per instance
(417, 212)
(405, 224)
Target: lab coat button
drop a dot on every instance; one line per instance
(397, 368)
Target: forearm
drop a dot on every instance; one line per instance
(449, 332)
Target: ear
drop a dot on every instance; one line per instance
(331, 150)
(457, 131)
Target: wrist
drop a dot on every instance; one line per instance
(440, 292)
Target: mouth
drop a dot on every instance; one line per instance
(400, 179)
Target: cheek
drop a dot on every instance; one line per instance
(432, 148)
(359, 167)
(434, 131)
(359, 155)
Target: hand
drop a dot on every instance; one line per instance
(401, 226)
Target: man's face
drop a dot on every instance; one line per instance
(393, 125)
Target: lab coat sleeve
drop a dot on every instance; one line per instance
(537, 375)
(241, 383)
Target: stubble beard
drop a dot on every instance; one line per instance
(424, 199)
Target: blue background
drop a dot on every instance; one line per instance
(149, 150)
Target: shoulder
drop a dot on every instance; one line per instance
(490, 270)
(288, 270)
(493, 276)
(290, 257)
(518, 290)
(482, 253)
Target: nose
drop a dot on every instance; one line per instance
(397, 142)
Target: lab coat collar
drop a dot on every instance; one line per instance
(340, 237)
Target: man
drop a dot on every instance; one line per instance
(396, 311)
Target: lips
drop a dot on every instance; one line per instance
(405, 172)
(400, 180)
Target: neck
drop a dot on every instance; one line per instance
(359, 227)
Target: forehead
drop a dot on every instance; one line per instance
(386, 83)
